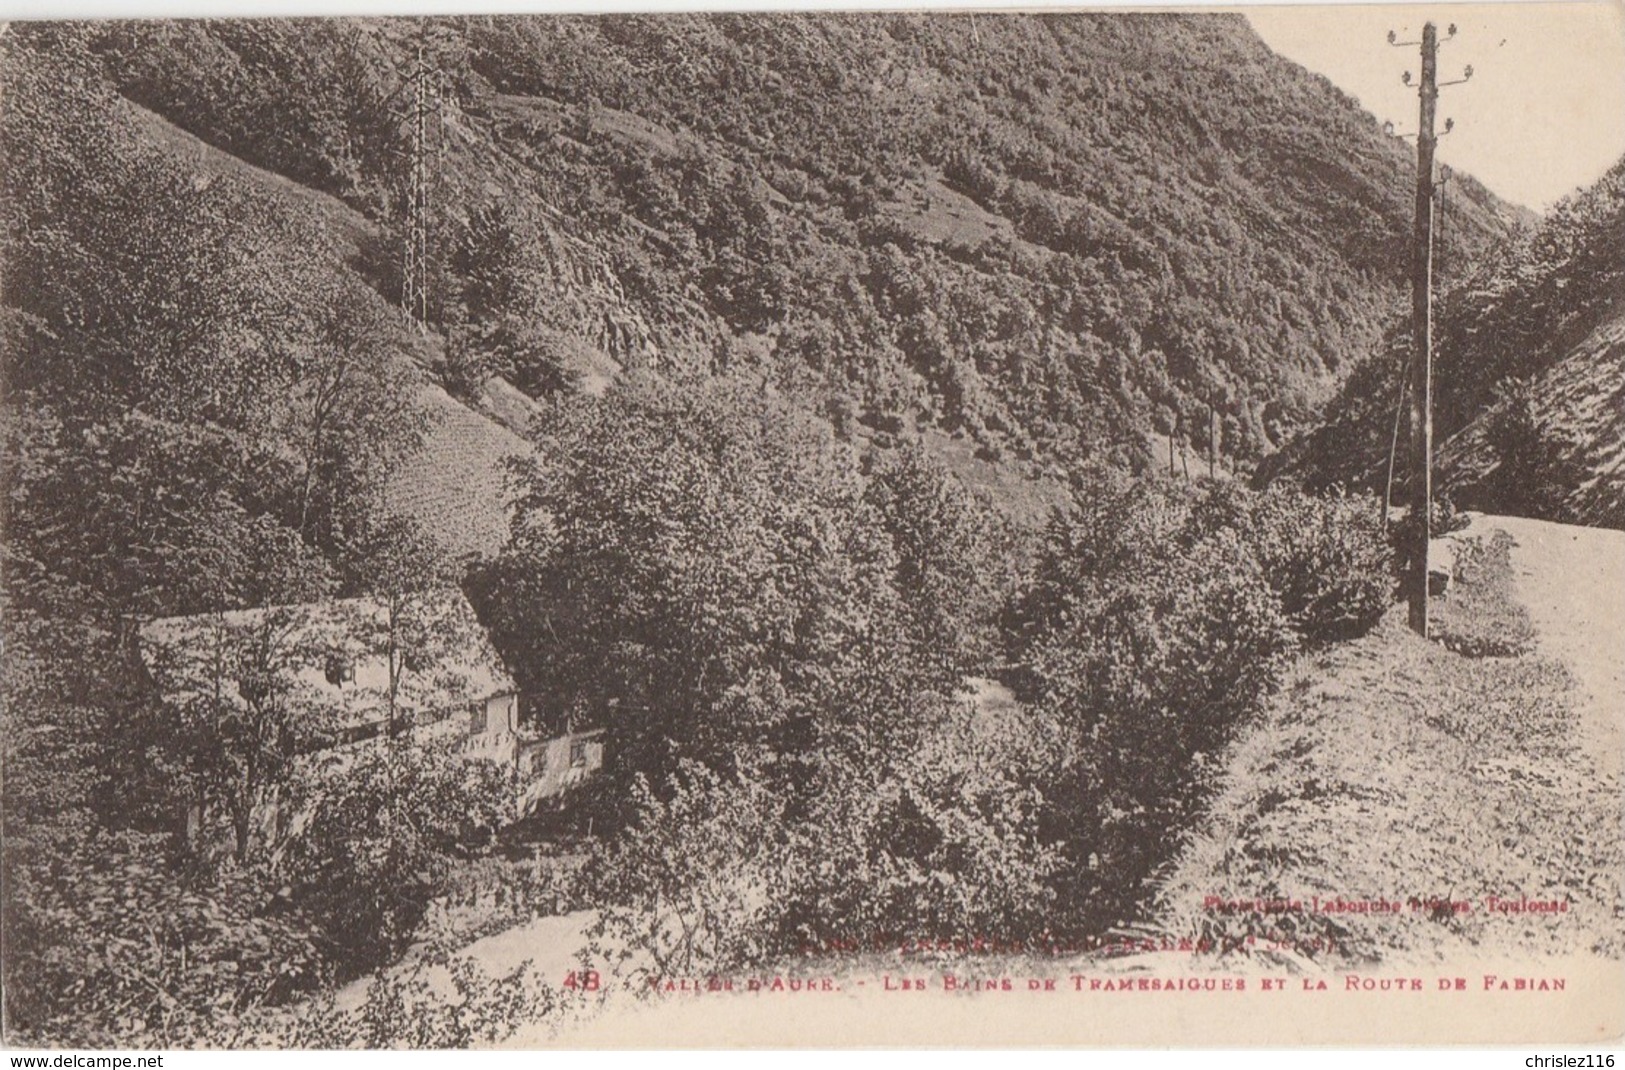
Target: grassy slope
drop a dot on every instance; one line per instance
(1399, 768)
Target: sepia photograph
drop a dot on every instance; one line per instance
(802, 529)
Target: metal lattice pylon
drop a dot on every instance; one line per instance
(424, 122)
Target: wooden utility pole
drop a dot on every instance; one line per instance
(1422, 359)
(1419, 366)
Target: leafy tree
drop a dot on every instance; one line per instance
(788, 755)
(492, 260)
(380, 822)
(112, 936)
(504, 286)
(1327, 557)
(352, 413)
(1536, 460)
(382, 827)
(137, 515)
(237, 714)
(1144, 642)
(949, 564)
(109, 941)
(696, 563)
(410, 616)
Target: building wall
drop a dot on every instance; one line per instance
(491, 728)
(549, 768)
(488, 729)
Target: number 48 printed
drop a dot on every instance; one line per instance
(583, 980)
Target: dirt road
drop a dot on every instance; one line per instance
(1572, 581)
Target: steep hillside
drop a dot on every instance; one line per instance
(998, 235)
(1047, 235)
(1529, 352)
(1576, 409)
(451, 484)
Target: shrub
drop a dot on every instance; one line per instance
(971, 174)
(697, 879)
(1146, 639)
(940, 840)
(417, 1009)
(146, 952)
(1445, 517)
(709, 571)
(489, 893)
(1480, 615)
(1327, 558)
(935, 843)
(1536, 467)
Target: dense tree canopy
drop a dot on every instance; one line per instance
(1003, 230)
(713, 569)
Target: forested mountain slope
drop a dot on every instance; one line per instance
(1528, 374)
(1047, 234)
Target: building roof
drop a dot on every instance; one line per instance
(330, 660)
